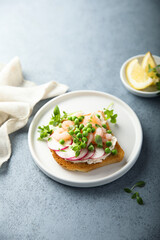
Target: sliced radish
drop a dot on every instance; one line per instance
(99, 153)
(90, 138)
(53, 144)
(67, 153)
(82, 155)
(89, 155)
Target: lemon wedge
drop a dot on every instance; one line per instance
(149, 60)
(137, 75)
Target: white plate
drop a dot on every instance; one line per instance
(148, 92)
(128, 131)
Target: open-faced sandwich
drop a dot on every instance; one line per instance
(82, 142)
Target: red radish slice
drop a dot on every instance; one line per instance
(90, 138)
(89, 155)
(99, 153)
(82, 155)
(68, 153)
(53, 144)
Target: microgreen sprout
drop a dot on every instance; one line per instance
(136, 195)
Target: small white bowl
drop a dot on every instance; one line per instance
(148, 92)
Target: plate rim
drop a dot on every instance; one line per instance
(128, 87)
(89, 183)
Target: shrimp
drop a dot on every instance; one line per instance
(86, 119)
(107, 137)
(67, 124)
(60, 133)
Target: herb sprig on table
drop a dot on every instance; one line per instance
(136, 195)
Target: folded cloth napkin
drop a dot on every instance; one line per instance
(17, 99)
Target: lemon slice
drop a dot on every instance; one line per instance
(137, 76)
(149, 60)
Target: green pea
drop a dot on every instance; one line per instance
(104, 126)
(73, 118)
(81, 126)
(85, 134)
(114, 151)
(91, 148)
(61, 141)
(80, 119)
(75, 140)
(79, 135)
(84, 129)
(77, 126)
(76, 131)
(71, 132)
(109, 143)
(93, 130)
(89, 130)
(70, 118)
(109, 131)
(107, 150)
(76, 121)
(60, 125)
(83, 145)
(84, 139)
(89, 125)
(98, 116)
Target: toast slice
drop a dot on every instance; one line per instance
(85, 167)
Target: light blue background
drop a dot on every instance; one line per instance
(82, 44)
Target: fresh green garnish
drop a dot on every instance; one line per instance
(98, 116)
(97, 125)
(136, 194)
(156, 73)
(110, 115)
(98, 140)
(56, 117)
(158, 85)
(77, 149)
(44, 131)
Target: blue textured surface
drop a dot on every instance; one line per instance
(83, 44)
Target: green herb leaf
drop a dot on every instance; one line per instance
(44, 131)
(139, 200)
(98, 140)
(97, 125)
(139, 184)
(158, 85)
(127, 190)
(110, 115)
(133, 196)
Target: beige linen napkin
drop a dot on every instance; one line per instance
(17, 99)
